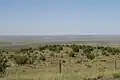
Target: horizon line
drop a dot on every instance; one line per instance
(59, 34)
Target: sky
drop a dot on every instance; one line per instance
(51, 17)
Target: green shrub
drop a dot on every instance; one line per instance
(75, 49)
(63, 61)
(30, 61)
(3, 65)
(43, 58)
(41, 48)
(105, 53)
(88, 65)
(78, 61)
(113, 53)
(86, 50)
(51, 54)
(116, 75)
(57, 50)
(20, 60)
(90, 56)
(61, 48)
(71, 54)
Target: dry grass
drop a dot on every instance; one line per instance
(72, 68)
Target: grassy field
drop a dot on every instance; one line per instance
(35, 61)
(70, 70)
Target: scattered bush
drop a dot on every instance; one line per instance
(71, 54)
(75, 49)
(32, 56)
(103, 60)
(113, 53)
(78, 61)
(41, 48)
(30, 61)
(88, 65)
(105, 53)
(20, 60)
(51, 54)
(3, 65)
(42, 57)
(63, 61)
(90, 56)
(116, 75)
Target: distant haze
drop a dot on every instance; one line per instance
(17, 42)
(61, 38)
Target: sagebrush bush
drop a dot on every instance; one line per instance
(63, 61)
(43, 58)
(113, 53)
(116, 75)
(105, 53)
(88, 65)
(78, 61)
(71, 54)
(3, 65)
(90, 56)
(51, 54)
(30, 61)
(20, 60)
(75, 49)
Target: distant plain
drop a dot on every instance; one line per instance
(11, 42)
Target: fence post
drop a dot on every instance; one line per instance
(115, 64)
(60, 66)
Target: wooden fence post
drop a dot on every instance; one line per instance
(115, 64)
(60, 66)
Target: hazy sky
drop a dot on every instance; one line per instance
(59, 17)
